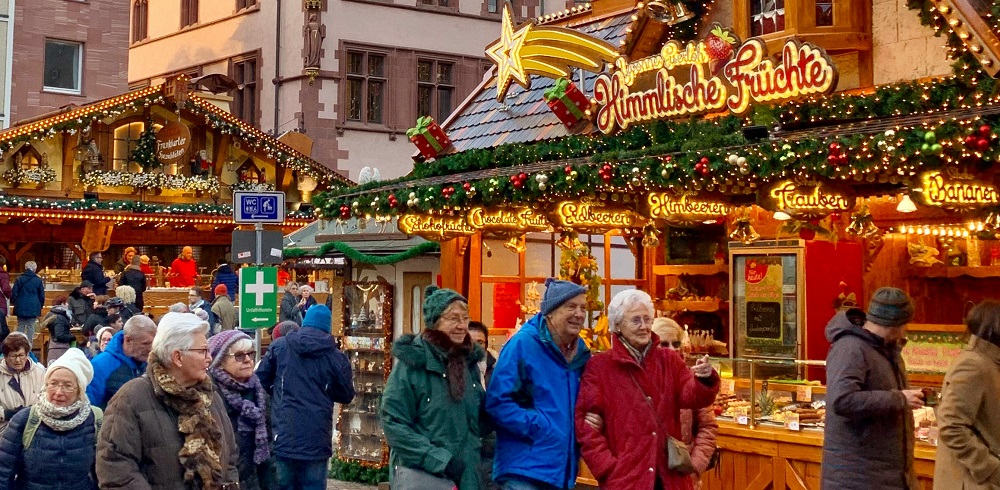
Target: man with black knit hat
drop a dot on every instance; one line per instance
(868, 441)
(305, 374)
(533, 390)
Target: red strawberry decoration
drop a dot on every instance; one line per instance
(719, 44)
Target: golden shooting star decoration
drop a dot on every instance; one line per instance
(543, 50)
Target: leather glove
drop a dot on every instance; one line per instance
(453, 471)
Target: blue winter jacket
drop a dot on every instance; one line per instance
(54, 461)
(225, 275)
(531, 397)
(305, 374)
(28, 295)
(112, 369)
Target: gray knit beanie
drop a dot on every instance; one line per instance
(890, 307)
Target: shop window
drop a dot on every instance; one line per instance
(365, 88)
(767, 17)
(824, 13)
(27, 157)
(249, 172)
(245, 72)
(63, 66)
(189, 13)
(126, 139)
(435, 88)
(140, 20)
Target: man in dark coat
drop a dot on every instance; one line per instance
(81, 301)
(289, 310)
(305, 374)
(94, 272)
(224, 275)
(868, 440)
(133, 276)
(27, 297)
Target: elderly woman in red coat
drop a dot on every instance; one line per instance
(636, 391)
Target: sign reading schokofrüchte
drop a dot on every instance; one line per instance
(715, 75)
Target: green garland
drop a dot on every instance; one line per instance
(351, 471)
(128, 206)
(361, 257)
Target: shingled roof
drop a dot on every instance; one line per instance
(524, 116)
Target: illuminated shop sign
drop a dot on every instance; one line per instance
(809, 200)
(714, 75)
(960, 191)
(439, 227)
(684, 208)
(521, 219)
(594, 216)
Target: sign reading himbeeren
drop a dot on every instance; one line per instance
(717, 74)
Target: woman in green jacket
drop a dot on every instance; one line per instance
(433, 399)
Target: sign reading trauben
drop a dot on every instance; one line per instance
(716, 74)
(813, 199)
(941, 190)
(684, 207)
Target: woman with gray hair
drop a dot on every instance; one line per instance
(134, 449)
(630, 400)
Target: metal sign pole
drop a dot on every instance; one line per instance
(258, 337)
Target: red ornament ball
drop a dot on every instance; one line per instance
(466, 186)
(983, 144)
(971, 141)
(568, 169)
(834, 148)
(985, 130)
(807, 233)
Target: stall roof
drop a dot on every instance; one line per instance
(364, 236)
(483, 122)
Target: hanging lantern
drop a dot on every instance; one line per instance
(744, 232)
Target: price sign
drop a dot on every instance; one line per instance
(728, 387)
(804, 393)
(792, 421)
(742, 416)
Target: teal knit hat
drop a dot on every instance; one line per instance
(436, 300)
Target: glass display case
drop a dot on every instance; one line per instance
(367, 341)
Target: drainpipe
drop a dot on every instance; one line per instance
(277, 65)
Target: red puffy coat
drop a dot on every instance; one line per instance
(629, 452)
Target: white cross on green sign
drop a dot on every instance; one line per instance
(258, 297)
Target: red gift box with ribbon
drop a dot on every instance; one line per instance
(429, 137)
(568, 103)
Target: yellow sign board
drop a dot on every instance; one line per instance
(594, 216)
(435, 227)
(521, 219)
(809, 200)
(955, 192)
(684, 208)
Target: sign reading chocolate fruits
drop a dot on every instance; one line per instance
(717, 74)
(172, 143)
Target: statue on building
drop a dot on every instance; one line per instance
(88, 153)
(314, 32)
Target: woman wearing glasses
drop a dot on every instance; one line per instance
(22, 380)
(137, 446)
(637, 391)
(53, 443)
(699, 434)
(433, 398)
(233, 354)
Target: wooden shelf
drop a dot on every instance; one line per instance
(936, 327)
(692, 270)
(706, 306)
(983, 272)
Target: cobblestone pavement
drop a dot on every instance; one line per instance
(342, 485)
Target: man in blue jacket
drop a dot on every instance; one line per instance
(28, 296)
(123, 360)
(305, 374)
(224, 274)
(532, 394)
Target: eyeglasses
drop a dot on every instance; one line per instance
(243, 356)
(456, 319)
(668, 344)
(638, 321)
(203, 350)
(17, 357)
(61, 387)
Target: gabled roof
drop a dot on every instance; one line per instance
(524, 116)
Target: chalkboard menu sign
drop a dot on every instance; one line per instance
(763, 320)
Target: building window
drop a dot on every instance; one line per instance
(63, 66)
(189, 13)
(767, 16)
(242, 4)
(27, 158)
(140, 20)
(126, 139)
(435, 88)
(440, 3)
(492, 6)
(365, 88)
(244, 72)
(824, 13)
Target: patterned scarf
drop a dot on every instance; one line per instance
(636, 353)
(253, 416)
(456, 360)
(65, 418)
(201, 454)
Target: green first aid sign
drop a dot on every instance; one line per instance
(258, 297)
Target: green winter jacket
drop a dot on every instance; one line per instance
(423, 425)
